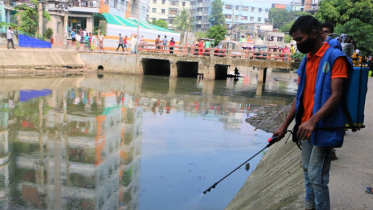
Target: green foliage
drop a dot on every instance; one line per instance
(200, 34)
(297, 57)
(49, 33)
(127, 177)
(160, 23)
(182, 21)
(98, 29)
(351, 17)
(286, 28)
(288, 38)
(217, 32)
(217, 17)
(281, 17)
(27, 17)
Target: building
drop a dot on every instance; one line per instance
(166, 10)
(243, 12)
(262, 34)
(235, 12)
(294, 6)
(310, 6)
(279, 6)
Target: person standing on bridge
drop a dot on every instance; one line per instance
(172, 44)
(133, 44)
(322, 75)
(157, 42)
(125, 42)
(164, 42)
(200, 47)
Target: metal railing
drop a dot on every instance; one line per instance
(180, 50)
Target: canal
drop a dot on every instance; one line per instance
(129, 142)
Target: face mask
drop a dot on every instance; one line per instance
(306, 46)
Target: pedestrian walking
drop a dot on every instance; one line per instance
(317, 104)
(133, 44)
(73, 36)
(121, 43)
(164, 42)
(157, 42)
(172, 44)
(81, 33)
(292, 49)
(85, 32)
(90, 40)
(125, 42)
(200, 47)
(101, 39)
(93, 42)
(9, 37)
(77, 43)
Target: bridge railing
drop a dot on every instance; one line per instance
(146, 48)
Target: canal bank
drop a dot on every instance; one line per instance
(278, 183)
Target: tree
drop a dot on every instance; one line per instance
(287, 38)
(286, 28)
(281, 17)
(351, 17)
(200, 35)
(27, 17)
(160, 23)
(217, 17)
(217, 32)
(182, 21)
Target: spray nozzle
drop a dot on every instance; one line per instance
(272, 140)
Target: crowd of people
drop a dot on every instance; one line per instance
(88, 39)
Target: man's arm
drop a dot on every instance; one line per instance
(282, 130)
(306, 128)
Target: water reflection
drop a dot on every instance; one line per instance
(75, 142)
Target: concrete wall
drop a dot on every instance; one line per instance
(116, 63)
(38, 58)
(57, 33)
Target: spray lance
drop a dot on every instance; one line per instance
(271, 141)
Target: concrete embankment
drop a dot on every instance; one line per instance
(38, 59)
(278, 182)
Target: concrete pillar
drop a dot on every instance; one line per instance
(208, 87)
(7, 16)
(173, 69)
(260, 76)
(89, 25)
(259, 89)
(210, 73)
(173, 82)
(139, 69)
(40, 14)
(66, 16)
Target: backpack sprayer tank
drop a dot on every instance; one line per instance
(357, 86)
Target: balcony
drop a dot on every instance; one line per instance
(85, 6)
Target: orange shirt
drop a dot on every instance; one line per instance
(339, 70)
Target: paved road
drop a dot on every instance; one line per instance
(353, 171)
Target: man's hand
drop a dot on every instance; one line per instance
(306, 129)
(280, 133)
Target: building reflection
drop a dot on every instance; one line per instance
(78, 146)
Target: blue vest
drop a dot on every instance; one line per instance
(322, 138)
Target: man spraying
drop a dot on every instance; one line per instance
(322, 75)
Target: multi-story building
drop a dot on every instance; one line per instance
(294, 6)
(310, 6)
(261, 34)
(166, 10)
(201, 10)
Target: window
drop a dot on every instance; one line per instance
(200, 1)
(266, 10)
(237, 7)
(280, 39)
(228, 16)
(243, 17)
(163, 1)
(260, 9)
(199, 9)
(171, 21)
(174, 3)
(236, 17)
(58, 27)
(193, 3)
(154, 1)
(154, 10)
(205, 18)
(173, 12)
(199, 18)
(271, 38)
(163, 11)
(207, 10)
(227, 26)
(228, 6)
(259, 19)
(251, 18)
(184, 3)
(252, 9)
(245, 8)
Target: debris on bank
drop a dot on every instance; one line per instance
(266, 112)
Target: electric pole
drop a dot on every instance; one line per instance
(232, 22)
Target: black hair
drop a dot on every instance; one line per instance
(328, 25)
(165, 36)
(10, 27)
(306, 24)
